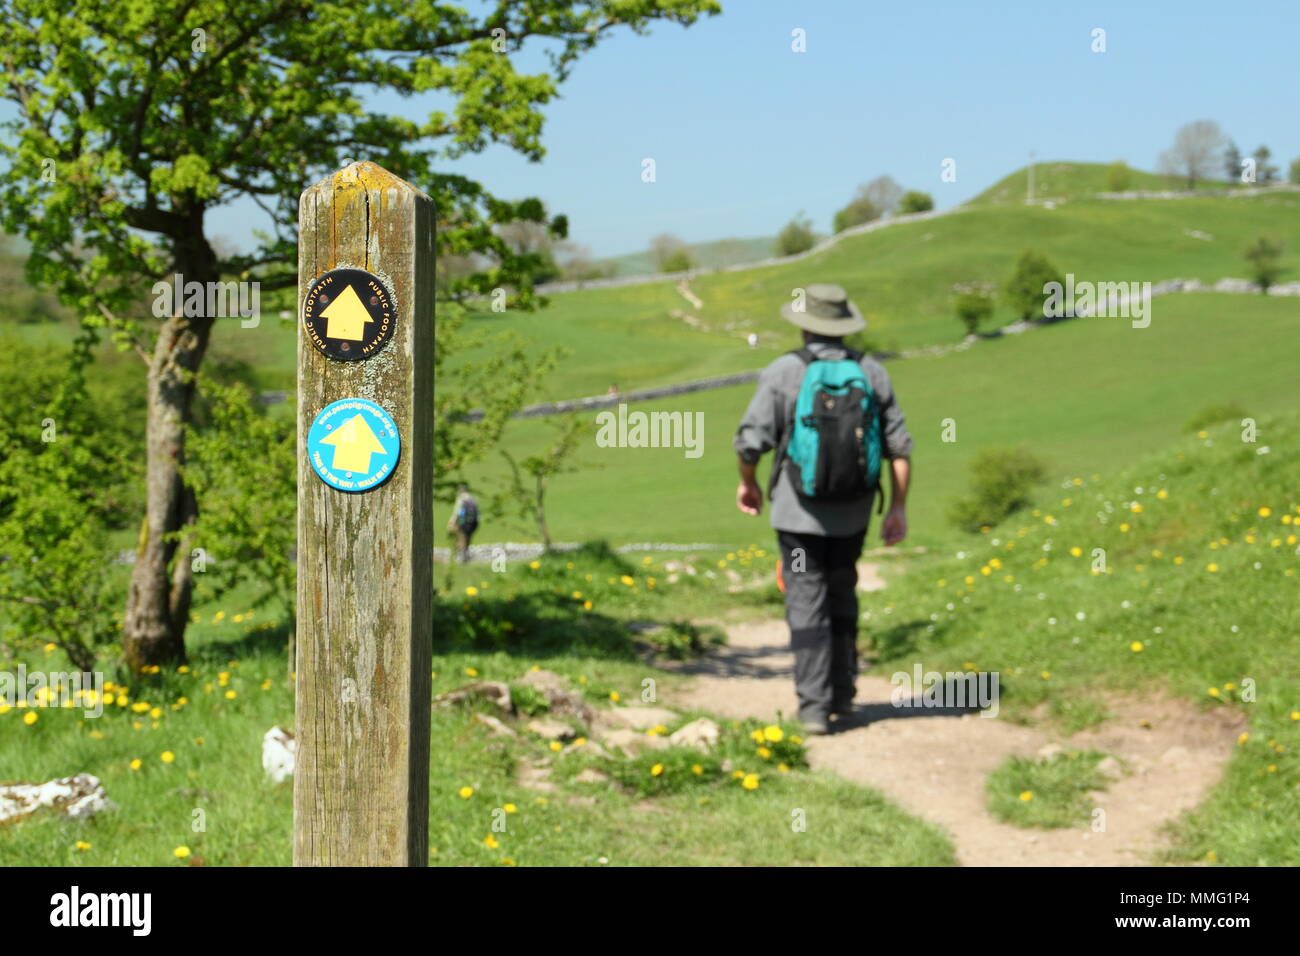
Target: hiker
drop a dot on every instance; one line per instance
(831, 417)
(464, 521)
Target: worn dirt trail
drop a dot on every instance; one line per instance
(935, 766)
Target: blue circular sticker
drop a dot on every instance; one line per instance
(353, 445)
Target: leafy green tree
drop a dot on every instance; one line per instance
(1023, 290)
(132, 121)
(797, 236)
(679, 260)
(857, 212)
(1264, 256)
(1232, 163)
(242, 465)
(1294, 174)
(529, 479)
(973, 304)
(57, 575)
(915, 201)
(1118, 176)
(1265, 171)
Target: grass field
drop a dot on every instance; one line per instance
(1088, 395)
(176, 743)
(1198, 597)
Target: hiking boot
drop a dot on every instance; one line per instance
(816, 726)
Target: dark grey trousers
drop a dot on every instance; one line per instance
(821, 607)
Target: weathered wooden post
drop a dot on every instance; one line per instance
(365, 520)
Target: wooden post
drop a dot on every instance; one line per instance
(365, 557)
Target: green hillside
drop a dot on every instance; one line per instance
(1065, 180)
(1202, 553)
(1089, 395)
(706, 255)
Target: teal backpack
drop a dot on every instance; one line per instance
(832, 450)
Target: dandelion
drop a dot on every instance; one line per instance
(534, 564)
(167, 756)
(490, 842)
(1162, 494)
(556, 746)
(230, 695)
(181, 852)
(1076, 551)
(1211, 856)
(1047, 675)
(471, 590)
(510, 808)
(1124, 528)
(627, 579)
(465, 792)
(471, 672)
(30, 718)
(697, 769)
(773, 733)
(1178, 559)
(1027, 795)
(586, 605)
(614, 696)
(1136, 647)
(1212, 567)
(656, 770)
(82, 845)
(764, 752)
(750, 781)
(1213, 692)
(1264, 512)
(1242, 738)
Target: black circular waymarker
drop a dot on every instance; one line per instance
(349, 314)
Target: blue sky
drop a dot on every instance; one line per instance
(745, 133)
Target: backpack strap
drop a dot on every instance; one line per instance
(806, 356)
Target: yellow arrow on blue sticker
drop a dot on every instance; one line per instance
(353, 445)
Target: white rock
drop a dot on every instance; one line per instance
(640, 718)
(279, 754)
(701, 734)
(76, 797)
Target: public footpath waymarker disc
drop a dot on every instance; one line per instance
(353, 445)
(348, 314)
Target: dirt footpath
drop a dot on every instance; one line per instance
(935, 766)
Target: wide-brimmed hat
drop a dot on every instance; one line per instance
(826, 310)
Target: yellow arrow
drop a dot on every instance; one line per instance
(347, 316)
(354, 443)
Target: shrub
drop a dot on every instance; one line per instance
(973, 305)
(915, 201)
(679, 260)
(1294, 174)
(1002, 481)
(1215, 415)
(1118, 176)
(860, 210)
(1024, 287)
(1264, 256)
(796, 237)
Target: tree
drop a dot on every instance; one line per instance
(860, 210)
(1197, 146)
(915, 201)
(973, 304)
(541, 468)
(153, 113)
(1118, 176)
(1294, 174)
(242, 466)
(1023, 289)
(670, 254)
(1265, 258)
(1265, 172)
(796, 237)
(1232, 163)
(884, 193)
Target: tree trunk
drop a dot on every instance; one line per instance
(158, 602)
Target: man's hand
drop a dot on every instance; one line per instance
(894, 528)
(749, 497)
